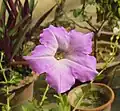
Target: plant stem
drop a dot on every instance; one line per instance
(44, 95)
(77, 23)
(62, 101)
(7, 88)
(79, 102)
(8, 99)
(90, 24)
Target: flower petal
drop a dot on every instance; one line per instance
(40, 64)
(60, 78)
(62, 36)
(48, 39)
(80, 42)
(84, 60)
(81, 72)
(41, 50)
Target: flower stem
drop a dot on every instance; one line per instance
(8, 99)
(44, 95)
(7, 88)
(79, 102)
(61, 98)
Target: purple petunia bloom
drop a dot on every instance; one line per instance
(64, 56)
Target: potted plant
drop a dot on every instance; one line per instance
(16, 33)
(99, 97)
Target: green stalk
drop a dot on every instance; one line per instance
(61, 98)
(44, 95)
(79, 102)
(7, 88)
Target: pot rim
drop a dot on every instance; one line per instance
(26, 81)
(100, 107)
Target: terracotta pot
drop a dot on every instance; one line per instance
(100, 87)
(21, 93)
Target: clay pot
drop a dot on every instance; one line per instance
(107, 91)
(21, 93)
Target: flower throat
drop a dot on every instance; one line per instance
(60, 54)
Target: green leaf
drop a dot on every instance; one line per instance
(19, 41)
(32, 5)
(19, 17)
(19, 24)
(115, 0)
(119, 11)
(90, 2)
(85, 104)
(2, 15)
(86, 88)
(100, 77)
(2, 10)
(24, 108)
(1, 32)
(118, 2)
(76, 12)
(1, 29)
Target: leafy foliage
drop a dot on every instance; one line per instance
(92, 98)
(15, 28)
(106, 10)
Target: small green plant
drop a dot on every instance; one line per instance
(6, 83)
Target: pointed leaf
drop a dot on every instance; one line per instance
(17, 26)
(31, 6)
(13, 7)
(86, 88)
(6, 45)
(26, 10)
(77, 12)
(2, 14)
(100, 77)
(119, 11)
(7, 7)
(19, 5)
(20, 40)
(1, 32)
(11, 22)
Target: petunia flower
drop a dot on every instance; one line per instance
(64, 57)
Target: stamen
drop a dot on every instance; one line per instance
(59, 54)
